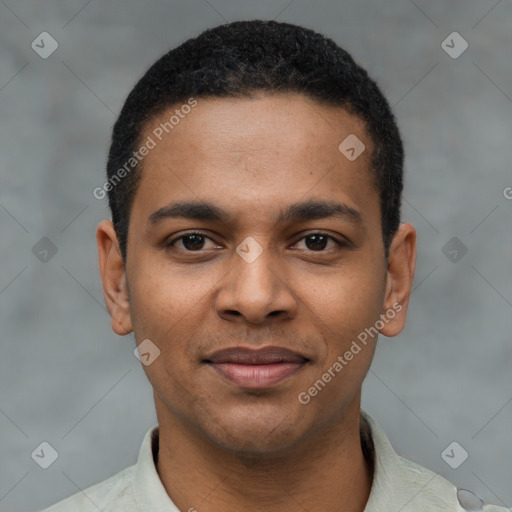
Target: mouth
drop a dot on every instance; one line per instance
(256, 369)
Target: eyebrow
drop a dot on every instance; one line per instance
(296, 212)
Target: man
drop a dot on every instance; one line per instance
(256, 253)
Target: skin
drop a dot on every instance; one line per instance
(253, 157)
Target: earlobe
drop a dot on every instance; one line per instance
(113, 277)
(400, 276)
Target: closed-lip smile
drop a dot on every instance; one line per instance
(256, 368)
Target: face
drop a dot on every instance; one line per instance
(250, 229)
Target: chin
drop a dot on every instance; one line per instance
(254, 437)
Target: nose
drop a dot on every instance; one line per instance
(255, 290)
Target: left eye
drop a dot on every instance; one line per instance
(318, 241)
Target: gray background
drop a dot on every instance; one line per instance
(68, 380)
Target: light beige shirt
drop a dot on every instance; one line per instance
(399, 485)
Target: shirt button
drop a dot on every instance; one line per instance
(469, 501)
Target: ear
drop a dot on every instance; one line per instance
(113, 277)
(400, 276)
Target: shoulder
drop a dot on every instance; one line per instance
(401, 484)
(115, 493)
(432, 492)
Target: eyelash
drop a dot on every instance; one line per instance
(339, 243)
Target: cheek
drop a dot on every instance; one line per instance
(169, 308)
(351, 297)
(165, 310)
(346, 310)
(164, 301)
(344, 313)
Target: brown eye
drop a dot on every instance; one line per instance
(190, 242)
(318, 242)
(193, 242)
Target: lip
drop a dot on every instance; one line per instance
(256, 369)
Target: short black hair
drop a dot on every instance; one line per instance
(237, 60)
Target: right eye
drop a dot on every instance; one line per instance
(190, 242)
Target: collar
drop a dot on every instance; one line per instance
(398, 484)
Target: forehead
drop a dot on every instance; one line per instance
(294, 121)
(259, 152)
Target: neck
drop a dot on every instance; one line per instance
(326, 472)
